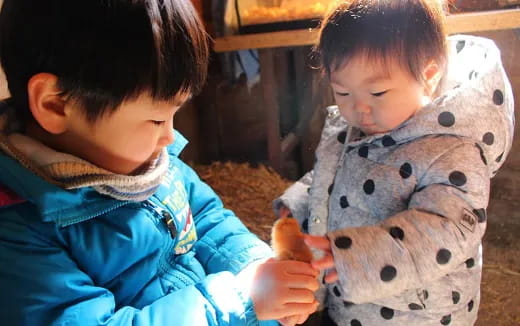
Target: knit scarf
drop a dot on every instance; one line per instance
(71, 172)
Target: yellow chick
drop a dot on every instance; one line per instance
(287, 241)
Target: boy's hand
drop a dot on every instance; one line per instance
(293, 320)
(327, 261)
(284, 288)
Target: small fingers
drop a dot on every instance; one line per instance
(300, 308)
(302, 319)
(298, 267)
(299, 296)
(289, 321)
(284, 212)
(331, 277)
(324, 263)
(303, 282)
(320, 243)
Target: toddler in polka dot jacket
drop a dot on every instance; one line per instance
(398, 194)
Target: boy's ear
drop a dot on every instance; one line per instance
(46, 103)
(432, 76)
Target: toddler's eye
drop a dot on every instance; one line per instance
(342, 94)
(379, 93)
(157, 122)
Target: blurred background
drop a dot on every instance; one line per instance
(254, 127)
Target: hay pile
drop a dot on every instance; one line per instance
(247, 191)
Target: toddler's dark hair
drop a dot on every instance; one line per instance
(412, 32)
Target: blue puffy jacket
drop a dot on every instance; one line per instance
(79, 258)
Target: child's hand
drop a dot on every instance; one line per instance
(284, 212)
(327, 261)
(284, 288)
(293, 320)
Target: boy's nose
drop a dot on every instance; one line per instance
(167, 136)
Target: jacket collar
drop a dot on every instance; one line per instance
(64, 207)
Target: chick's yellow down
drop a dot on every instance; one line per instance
(287, 241)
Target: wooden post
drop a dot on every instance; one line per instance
(272, 108)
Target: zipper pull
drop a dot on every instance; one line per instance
(170, 224)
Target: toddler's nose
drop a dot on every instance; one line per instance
(362, 107)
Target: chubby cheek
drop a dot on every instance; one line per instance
(386, 119)
(137, 149)
(347, 113)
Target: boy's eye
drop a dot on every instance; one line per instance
(157, 122)
(342, 94)
(379, 93)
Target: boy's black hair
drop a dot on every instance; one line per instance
(103, 51)
(412, 32)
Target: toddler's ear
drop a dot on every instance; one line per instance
(46, 103)
(432, 75)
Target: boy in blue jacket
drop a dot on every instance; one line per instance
(101, 223)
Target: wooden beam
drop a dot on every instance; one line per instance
(272, 109)
(458, 23)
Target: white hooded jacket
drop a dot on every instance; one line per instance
(405, 211)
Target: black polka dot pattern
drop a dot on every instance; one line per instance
(331, 187)
(336, 291)
(460, 45)
(406, 170)
(481, 213)
(369, 187)
(387, 313)
(470, 305)
(488, 138)
(446, 320)
(458, 178)
(470, 263)
(347, 304)
(482, 154)
(498, 97)
(342, 137)
(349, 149)
(343, 202)
(343, 242)
(388, 273)
(363, 151)
(446, 119)
(397, 233)
(499, 158)
(455, 296)
(415, 306)
(473, 74)
(443, 256)
(425, 294)
(388, 141)
(355, 322)
(305, 225)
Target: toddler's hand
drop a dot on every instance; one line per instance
(284, 212)
(284, 288)
(327, 261)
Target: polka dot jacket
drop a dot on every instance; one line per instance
(405, 211)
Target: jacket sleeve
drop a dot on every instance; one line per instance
(440, 231)
(296, 198)
(43, 285)
(224, 243)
